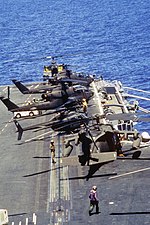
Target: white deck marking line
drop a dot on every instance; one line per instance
(27, 99)
(129, 173)
(38, 136)
(66, 191)
(37, 86)
(6, 125)
(52, 181)
(53, 184)
(5, 88)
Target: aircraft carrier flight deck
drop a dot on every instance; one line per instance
(57, 194)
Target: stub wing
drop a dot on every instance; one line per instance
(96, 158)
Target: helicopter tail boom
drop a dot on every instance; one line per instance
(9, 104)
(22, 88)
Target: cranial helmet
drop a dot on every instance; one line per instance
(145, 135)
(94, 188)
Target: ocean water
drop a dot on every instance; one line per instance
(107, 37)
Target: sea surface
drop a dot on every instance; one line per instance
(101, 37)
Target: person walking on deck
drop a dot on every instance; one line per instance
(94, 201)
(52, 149)
(84, 105)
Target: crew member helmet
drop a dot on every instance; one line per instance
(94, 188)
(145, 135)
(52, 141)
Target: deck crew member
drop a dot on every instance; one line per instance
(94, 201)
(52, 149)
(84, 105)
(85, 146)
(136, 140)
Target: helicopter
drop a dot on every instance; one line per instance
(58, 98)
(65, 121)
(103, 138)
(104, 144)
(66, 91)
(56, 91)
(42, 88)
(73, 124)
(47, 87)
(55, 72)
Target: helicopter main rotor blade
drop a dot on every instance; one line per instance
(127, 117)
(136, 96)
(135, 89)
(122, 116)
(142, 119)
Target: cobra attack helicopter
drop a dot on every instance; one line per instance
(67, 96)
(58, 90)
(51, 85)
